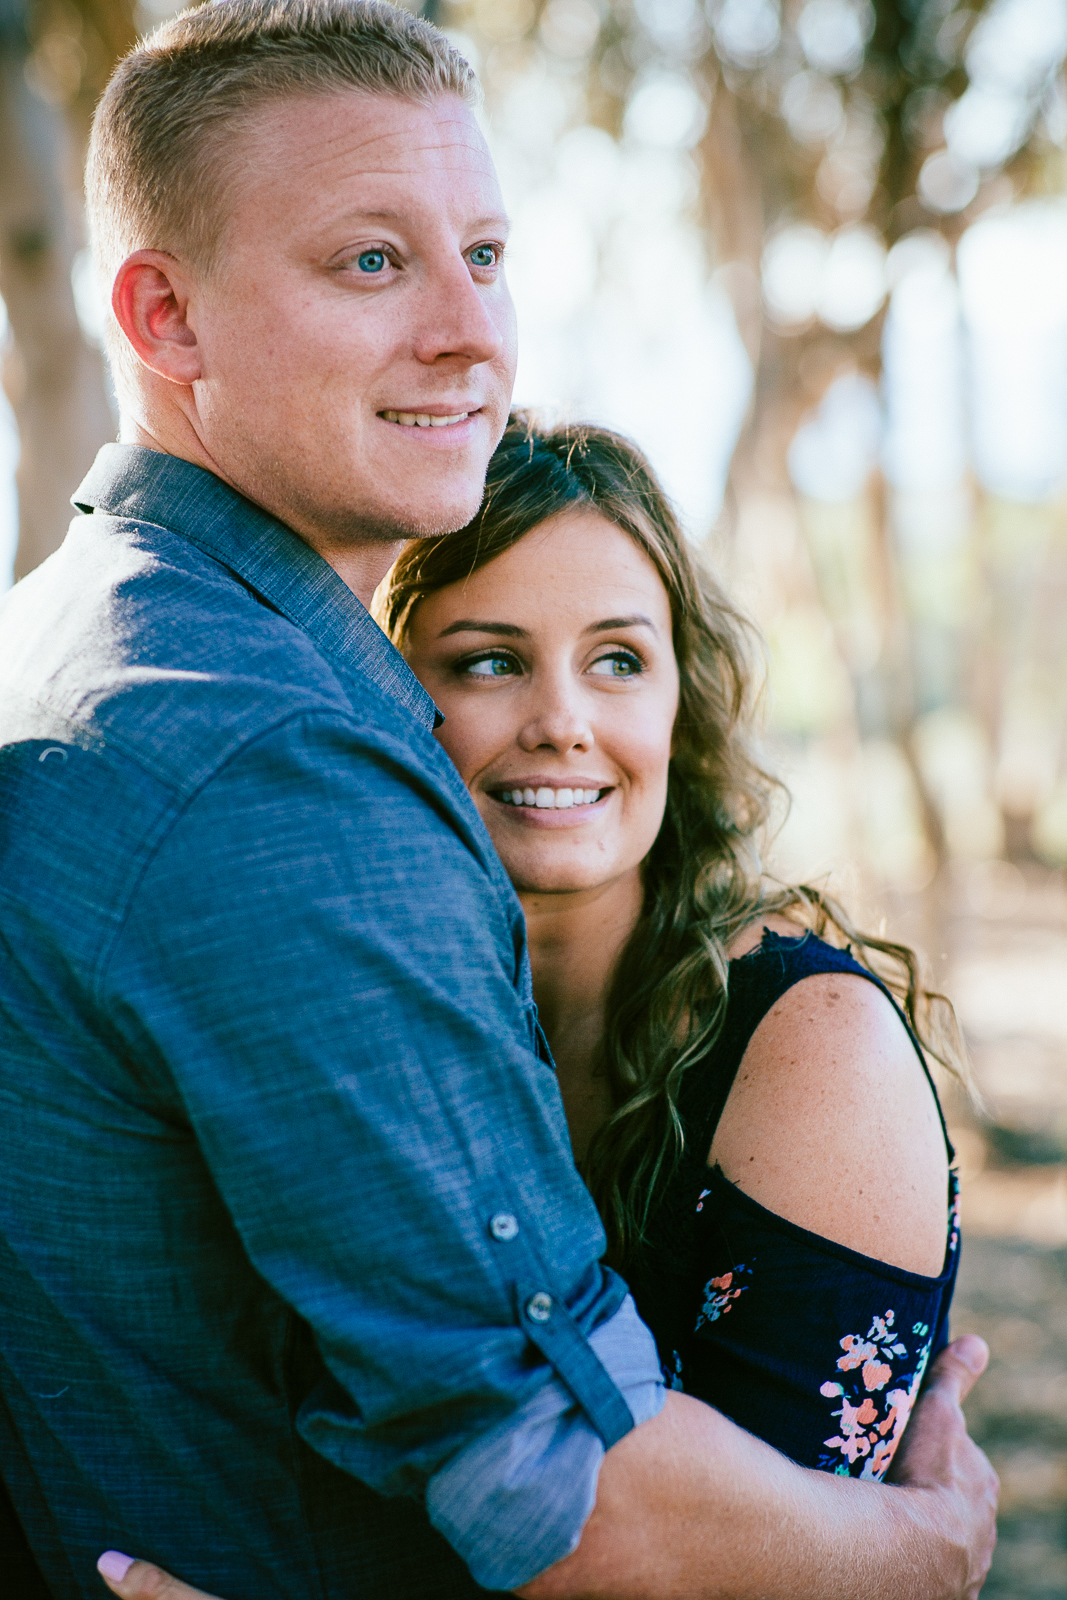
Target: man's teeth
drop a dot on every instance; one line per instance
(550, 799)
(423, 419)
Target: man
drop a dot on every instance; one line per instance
(304, 1293)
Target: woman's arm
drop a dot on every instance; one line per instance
(832, 1123)
(751, 1525)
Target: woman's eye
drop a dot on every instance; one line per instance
(484, 255)
(489, 667)
(620, 664)
(372, 261)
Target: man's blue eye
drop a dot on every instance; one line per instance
(371, 261)
(483, 255)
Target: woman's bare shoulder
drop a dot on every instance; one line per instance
(832, 1124)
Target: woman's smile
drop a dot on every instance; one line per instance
(540, 801)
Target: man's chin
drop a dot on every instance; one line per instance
(414, 521)
(437, 500)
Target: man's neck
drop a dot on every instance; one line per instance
(361, 566)
(575, 942)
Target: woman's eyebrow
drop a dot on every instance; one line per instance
(506, 630)
(638, 620)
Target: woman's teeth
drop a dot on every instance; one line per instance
(422, 419)
(550, 799)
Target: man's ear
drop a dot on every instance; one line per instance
(150, 299)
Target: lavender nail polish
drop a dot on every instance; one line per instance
(114, 1565)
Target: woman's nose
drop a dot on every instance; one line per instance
(557, 721)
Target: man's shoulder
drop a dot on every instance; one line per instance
(139, 675)
(133, 638)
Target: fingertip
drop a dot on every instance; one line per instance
(113, 1566)
(973, 1351)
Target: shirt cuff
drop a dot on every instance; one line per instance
(515, 1501)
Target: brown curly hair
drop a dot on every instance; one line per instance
(703, 878)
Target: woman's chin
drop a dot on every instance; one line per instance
(533, 877)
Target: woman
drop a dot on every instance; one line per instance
(748, 1103)
(749, 1107)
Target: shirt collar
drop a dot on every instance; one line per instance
(127, 480)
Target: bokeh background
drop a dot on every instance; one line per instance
(812, 256)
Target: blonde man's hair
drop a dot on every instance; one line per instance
(157, 175)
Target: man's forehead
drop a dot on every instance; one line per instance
(364, 134)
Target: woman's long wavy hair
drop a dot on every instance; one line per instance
(703, 878)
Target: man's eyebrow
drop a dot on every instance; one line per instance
(638, 620)
(505, 630)
(496, 219)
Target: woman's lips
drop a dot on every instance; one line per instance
(552, 806)
(546, 797)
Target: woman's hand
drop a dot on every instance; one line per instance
(140, 1580)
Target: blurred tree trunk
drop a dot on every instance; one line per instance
(54, 378)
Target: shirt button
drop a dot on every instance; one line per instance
(503, 1226)
(539, 1306)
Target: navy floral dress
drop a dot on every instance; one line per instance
(819, 1350)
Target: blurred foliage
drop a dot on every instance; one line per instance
(70, 47)
(822, 111)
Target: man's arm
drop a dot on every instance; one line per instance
(689, 1507)
(321, 999)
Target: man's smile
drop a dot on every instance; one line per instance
(424, 419)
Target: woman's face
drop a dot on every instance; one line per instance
(555, 670)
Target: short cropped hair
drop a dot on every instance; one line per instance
(156, 175)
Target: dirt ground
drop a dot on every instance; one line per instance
(1003, 937)
(1015, 1295)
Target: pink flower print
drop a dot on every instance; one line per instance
(875, 1374)
(857, 1351)
(719, 1295)
(900, 1402)
(853, 1442)
(954, 1215)
(864, 1438)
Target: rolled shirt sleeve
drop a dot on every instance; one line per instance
(322, 972)
(515, 1500)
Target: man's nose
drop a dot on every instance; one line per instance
(457, 318)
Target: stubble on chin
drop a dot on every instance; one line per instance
(398, 523)
(360, 528)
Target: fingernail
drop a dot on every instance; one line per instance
(113, 1565)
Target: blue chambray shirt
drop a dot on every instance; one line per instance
(301, 1291)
